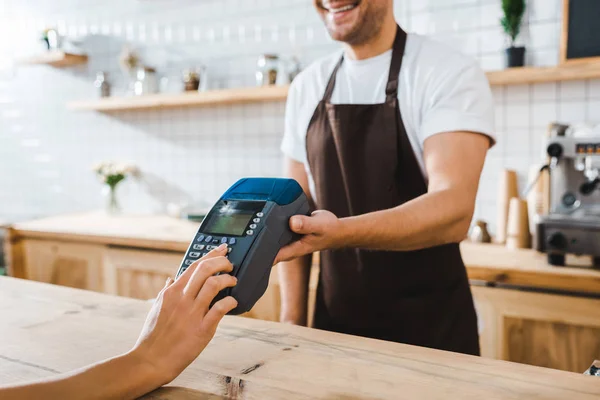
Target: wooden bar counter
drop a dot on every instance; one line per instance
(47, 329)
(529, 311)
(490, 263)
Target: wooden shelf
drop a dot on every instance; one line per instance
(55, 59)
(524, 75)
(158, 101)
(511, 76)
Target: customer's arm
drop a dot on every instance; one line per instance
(294, 274)
(177, 329)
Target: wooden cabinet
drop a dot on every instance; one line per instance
(136, 273)
(547, 330)
(61, 263)
(123, 271)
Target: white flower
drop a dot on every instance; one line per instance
(97, 167)
(110, 168)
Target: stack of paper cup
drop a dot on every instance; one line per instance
(507, 189)
(518, 235)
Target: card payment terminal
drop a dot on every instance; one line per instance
(252, 218)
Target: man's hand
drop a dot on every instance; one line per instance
(180, 324)
(322, 230)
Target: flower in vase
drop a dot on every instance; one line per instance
(111, 174)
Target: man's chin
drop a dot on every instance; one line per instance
(342, 33)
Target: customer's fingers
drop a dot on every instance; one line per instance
(209, 291)
(217, 312)
(205, 269)
(184, 278)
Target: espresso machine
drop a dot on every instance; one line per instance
(572, 225)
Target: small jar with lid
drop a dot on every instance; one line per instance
(268, 67)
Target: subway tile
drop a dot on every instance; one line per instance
(421, 23)
(490, 14)
(572, 90)
(518, 93)
(571, 112)
(491, 40)
(544, 10)
(543, 35)
(499, 118)
(594, 89)
(517, 115)
(492, 62)
(545, 91)
(415, 6)
(541, 58)
(593, 111)
(517, 143)
(543, 113)
(537, 144)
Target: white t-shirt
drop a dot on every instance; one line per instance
(440, 90)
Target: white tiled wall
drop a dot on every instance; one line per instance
(191, 155)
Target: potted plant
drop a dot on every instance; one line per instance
(511, 22)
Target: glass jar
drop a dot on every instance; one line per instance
(146, 81)
(268, 66)
(102, 84)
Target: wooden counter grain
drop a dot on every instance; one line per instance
(49, 329)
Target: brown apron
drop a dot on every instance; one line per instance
(361, 161)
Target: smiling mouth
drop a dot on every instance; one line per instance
(339, 9)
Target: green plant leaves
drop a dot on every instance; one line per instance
(113, 180)
(513, 16)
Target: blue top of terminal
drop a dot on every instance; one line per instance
(279, 190)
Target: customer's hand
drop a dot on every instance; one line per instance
(180, 324)
(322, 230)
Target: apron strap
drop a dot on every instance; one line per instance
(391, 90)
(331, 83)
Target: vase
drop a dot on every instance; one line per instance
(111, 204)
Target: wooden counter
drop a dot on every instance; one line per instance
(158, 232)
(133, 255)
(491, 263)
(48, 329)
(529, 268)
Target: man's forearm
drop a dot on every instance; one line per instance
(432, 219)
(293, 281)
(123, 377)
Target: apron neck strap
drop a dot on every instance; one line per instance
(391, 89)
(331, 83)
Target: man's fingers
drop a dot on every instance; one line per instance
(205, 269)
(301, 224)
(210, 289)
(184, 278)
(291, 251)
(217, 312)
